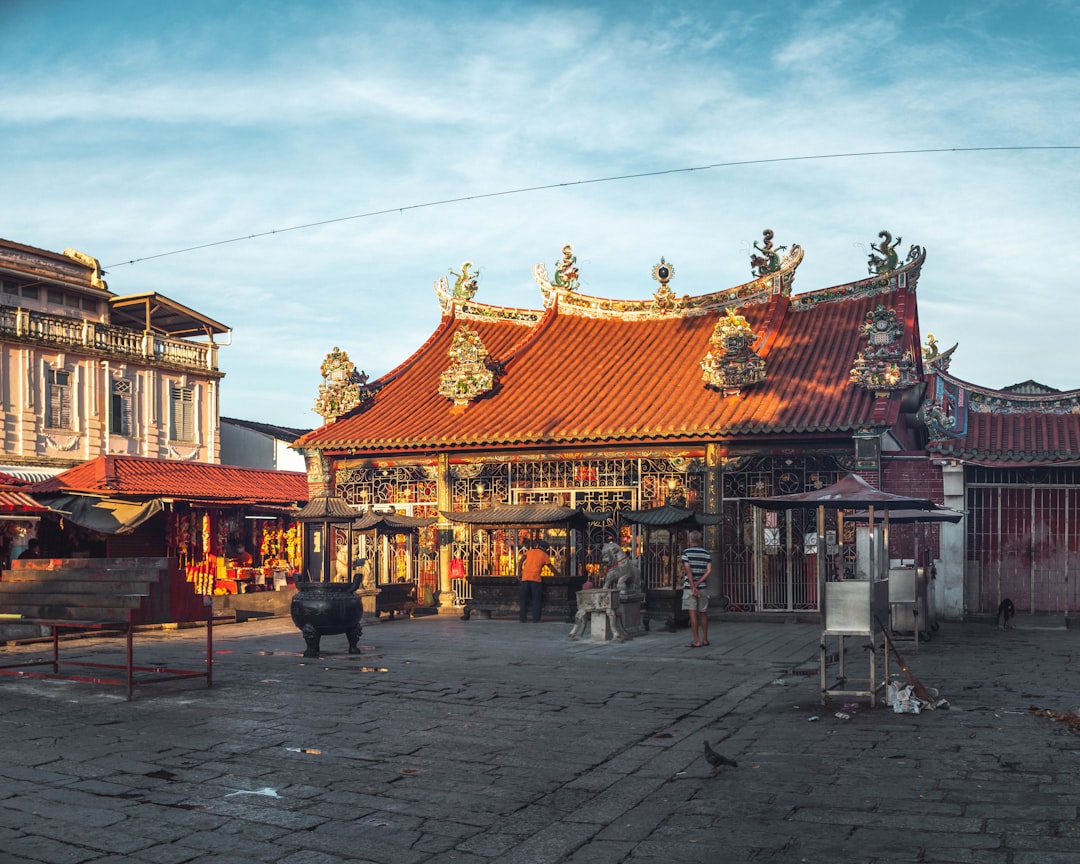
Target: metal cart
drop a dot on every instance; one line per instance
(852, 607)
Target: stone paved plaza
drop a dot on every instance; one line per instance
(492, 741)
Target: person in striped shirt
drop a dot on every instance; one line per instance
(696, 564)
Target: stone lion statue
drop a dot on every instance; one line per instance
(622, 571)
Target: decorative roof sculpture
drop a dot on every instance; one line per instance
(731, 362)
(935, 359)
(884, 365)
(665, 301)
(343, 388)
(769, 259)
(883, 257)
(468, 376)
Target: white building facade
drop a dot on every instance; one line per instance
(84, 372)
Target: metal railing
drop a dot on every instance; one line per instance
(56, 330)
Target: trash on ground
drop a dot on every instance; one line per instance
(266, 790)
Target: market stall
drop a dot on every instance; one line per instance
(557, 529)
(856, 606)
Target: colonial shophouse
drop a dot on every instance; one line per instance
(86, 373)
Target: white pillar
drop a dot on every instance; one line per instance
(949, 587)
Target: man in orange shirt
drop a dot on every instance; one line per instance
(243, 557)
(533, 563)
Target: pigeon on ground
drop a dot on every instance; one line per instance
(716, 760)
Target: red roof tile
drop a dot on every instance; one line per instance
(603, 376)
(19, 502)
(191, 481)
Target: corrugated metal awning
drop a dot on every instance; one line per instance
(31, 473)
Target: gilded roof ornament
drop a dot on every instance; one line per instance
(769, 259)
(934, 359)
(468, 375)
(664, 300)
(731, 362)
(465, 282)
(565, 279)
(343, 388)
(883, 366)
(566, 272)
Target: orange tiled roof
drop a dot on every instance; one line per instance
(590, 371)
(191, 481)
(19, 502)
(1003, 427)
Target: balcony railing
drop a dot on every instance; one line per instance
(105, 339)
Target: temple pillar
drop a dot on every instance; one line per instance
(714, 487)
(445, 537)
(950, 586)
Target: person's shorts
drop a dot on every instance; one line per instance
(690, 603)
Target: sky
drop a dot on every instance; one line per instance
(303, 172)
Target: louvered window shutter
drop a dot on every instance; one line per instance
(59, 398)
(183, 414)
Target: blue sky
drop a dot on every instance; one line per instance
(134, 129)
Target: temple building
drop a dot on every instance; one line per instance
(605, 405)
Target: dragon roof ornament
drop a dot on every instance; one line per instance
(468, 375)
(769, 259)
(934, 359)
(458, 301)
(903, 276)
(731, 362)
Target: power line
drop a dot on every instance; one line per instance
(526, 189)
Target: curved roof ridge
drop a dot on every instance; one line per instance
(905, 276)
(665, 303)
(1000, 397)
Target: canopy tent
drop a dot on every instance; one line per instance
(847, 493)
(669, 516)
(519, 516)
(105, 515)
(938, 514)
(513, 517)
(391, 523)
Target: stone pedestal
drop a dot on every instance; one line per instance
(599, 608)
(630, 612)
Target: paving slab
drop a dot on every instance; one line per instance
(491, 741)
